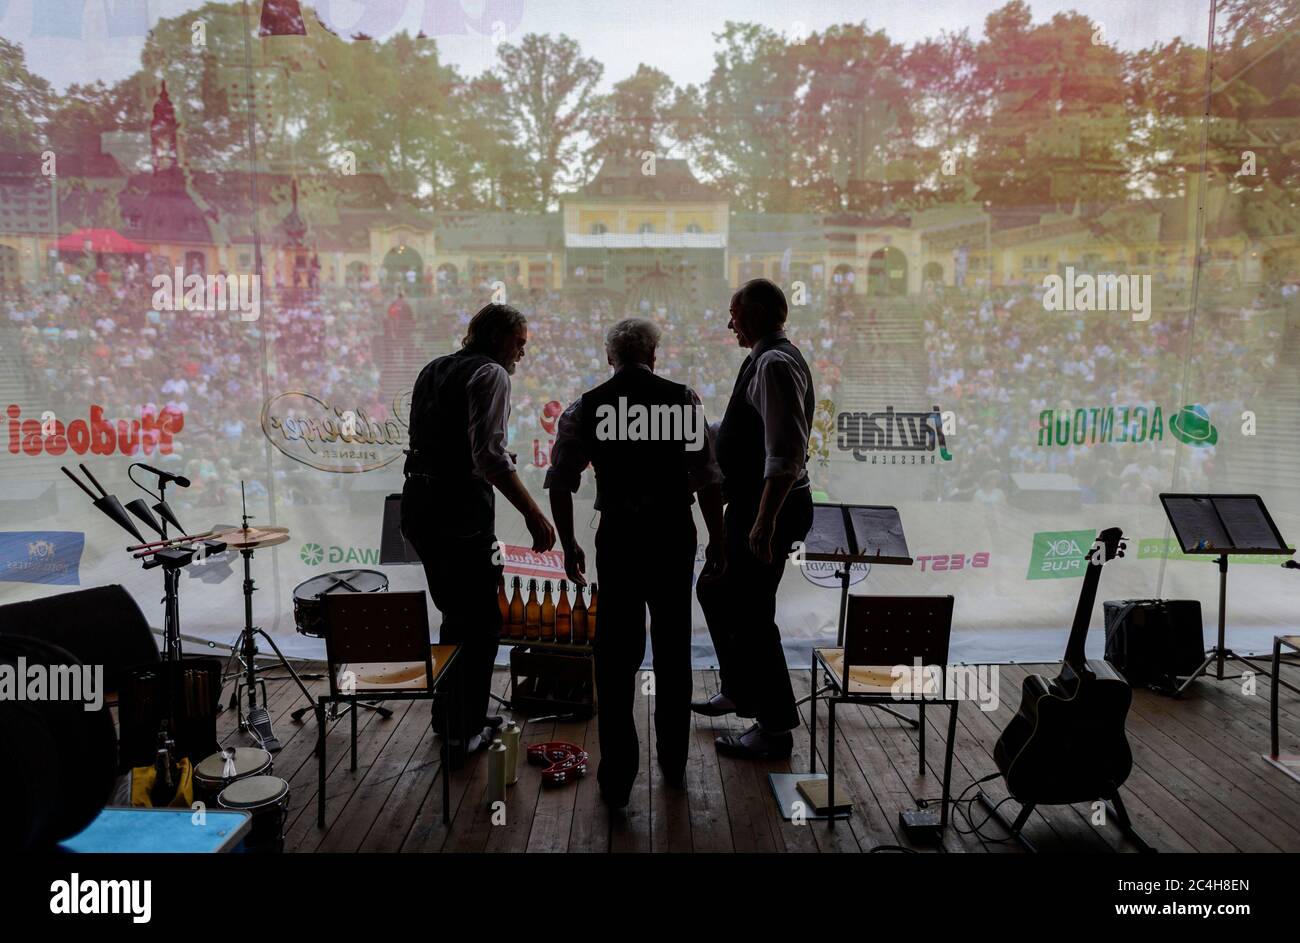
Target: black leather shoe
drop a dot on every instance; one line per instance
(718, 706)
(756, 744)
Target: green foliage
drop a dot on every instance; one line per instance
(1038, 115)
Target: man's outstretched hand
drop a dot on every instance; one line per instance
(575, 565)
(540, 529)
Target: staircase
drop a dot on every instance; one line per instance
(886, 366)
(887, 362)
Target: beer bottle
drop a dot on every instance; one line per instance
(533, 614)
(579, 617)
(503, 604)
(591, 615)
(517, 613)
(548, 613)
(563, 615)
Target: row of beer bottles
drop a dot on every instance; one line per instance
(547, 620)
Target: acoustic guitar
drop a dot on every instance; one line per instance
(1066, 742)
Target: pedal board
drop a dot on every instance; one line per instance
(259, 725)
(921, 825)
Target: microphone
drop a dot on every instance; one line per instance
(163, 476)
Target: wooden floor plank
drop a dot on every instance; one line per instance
(552, 821)
(630, 828)
(670, 813)
(707, 801)
(1198, 782)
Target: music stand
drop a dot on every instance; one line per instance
(850, 535)
(1218, 525)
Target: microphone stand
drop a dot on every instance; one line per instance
(172, 559)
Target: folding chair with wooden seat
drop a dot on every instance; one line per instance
(881, 634)
(377, 646)
(1291, 642)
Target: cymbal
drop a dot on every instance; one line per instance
(252, 537)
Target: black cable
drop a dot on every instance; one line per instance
(151, 494)
(965, 813)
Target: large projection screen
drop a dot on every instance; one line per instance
(1042, 257)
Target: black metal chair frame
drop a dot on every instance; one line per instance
(1278, 642)
(840, 692)
(336, 608)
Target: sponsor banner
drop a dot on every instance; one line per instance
(1059, 554)
(951, 562)
(1113, 425)
(1157, 548)
(521, 561)
(99, 436)
(893, 436)
(42, 556)
(827, 573)
(334, 437)
(314, 554)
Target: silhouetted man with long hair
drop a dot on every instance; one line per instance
(459, 413)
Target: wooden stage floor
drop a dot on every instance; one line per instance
(1199, 782)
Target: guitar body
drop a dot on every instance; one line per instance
(1066, 742)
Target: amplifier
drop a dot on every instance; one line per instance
(1153, 642)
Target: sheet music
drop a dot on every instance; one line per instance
(1247, 525)
(1196, 522)
(879, 529)
(827, 534)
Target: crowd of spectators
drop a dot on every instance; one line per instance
(998, 360)
(98, 340)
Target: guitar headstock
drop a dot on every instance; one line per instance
(1109, 544)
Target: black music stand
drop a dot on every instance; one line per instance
(1218, 525)
(851, 535)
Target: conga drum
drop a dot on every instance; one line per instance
(267, 798)
(309, 595)
(211, 776)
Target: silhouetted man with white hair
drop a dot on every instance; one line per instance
(646, 439)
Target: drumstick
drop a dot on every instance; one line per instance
(79, 483)
(159, 543)
(144, 553)
(93, 481)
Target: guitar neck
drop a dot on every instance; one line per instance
(1074, 648)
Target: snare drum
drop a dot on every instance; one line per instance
(267, 798)
(210, 775)
(309, 596)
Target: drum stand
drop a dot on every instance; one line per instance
(257, 722)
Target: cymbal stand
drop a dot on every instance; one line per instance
(257, 721)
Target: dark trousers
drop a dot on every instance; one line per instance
(462, 578)
(740, 609)
(643, 560)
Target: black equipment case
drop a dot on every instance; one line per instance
(1152, 642)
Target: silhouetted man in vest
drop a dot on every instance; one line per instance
(459, 412)
(762, 449)
(647, 440)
